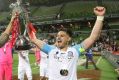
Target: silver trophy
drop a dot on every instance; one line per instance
(16, 7)
(19, 8)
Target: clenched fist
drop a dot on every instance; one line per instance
(99, 11)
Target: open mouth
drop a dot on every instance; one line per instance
(59, 40)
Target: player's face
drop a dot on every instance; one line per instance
(62, 39)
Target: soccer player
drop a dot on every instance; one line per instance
(62, 57)
(23, 48)
(6, 53)
(43, 66)
(24, 65)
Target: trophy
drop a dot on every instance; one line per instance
(20, 9)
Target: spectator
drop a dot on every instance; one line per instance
(89, 57)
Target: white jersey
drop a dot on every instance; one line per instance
(44, 59)
(24, 65)
(63, 60)
(44, 64)
(23, 57)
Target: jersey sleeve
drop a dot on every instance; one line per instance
(47, 48)
(79, 48)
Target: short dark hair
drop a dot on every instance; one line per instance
(68, 31)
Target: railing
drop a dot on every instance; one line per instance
(113, 59)
(107, 17)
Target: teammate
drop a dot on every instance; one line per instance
(6, 53)
(42, 62)
(24, 64)
(43, 66)
(6, 61)
(62, 57)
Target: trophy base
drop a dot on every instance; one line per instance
(25, 47)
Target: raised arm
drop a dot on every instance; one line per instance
(42, 45)
(32, 35)
(38, 42)
(5, 35)
(99, 11)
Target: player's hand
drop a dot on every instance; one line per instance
(14, 16)
(99, 11)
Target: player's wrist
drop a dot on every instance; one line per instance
(100, 18)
